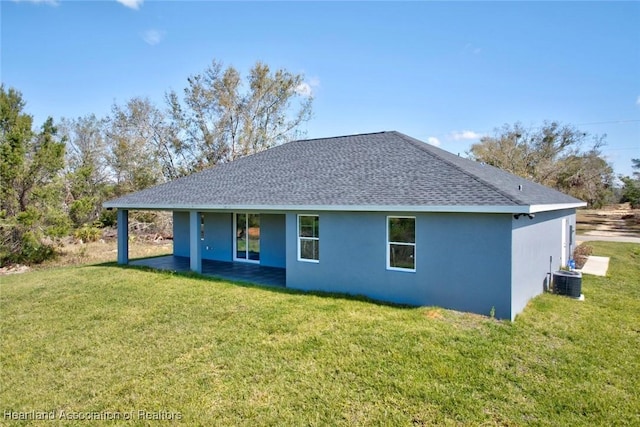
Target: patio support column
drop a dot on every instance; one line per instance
(123, 236)
(195, 245)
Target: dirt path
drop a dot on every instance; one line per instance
(614, 221)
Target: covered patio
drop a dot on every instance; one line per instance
(234, 271)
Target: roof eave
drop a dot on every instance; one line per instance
(510, 209)
(555, 207)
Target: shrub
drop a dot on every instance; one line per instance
(34, 251)
(21, 245)
(581, 254)
(82, 210)
(88, 233)
(108, 217)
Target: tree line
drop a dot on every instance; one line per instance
(557, 155)
(631, 185)
(53, 180)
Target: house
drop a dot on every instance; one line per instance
(380, 214)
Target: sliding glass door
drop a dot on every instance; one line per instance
(247, 242)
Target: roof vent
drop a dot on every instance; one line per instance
(520, 187)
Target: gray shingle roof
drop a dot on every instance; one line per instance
(376, 171)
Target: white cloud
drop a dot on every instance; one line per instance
(153, 37)
(304, 89)
(49, 2)
(470, 48)
(132, 4)
(433, 141)
(307, 88)
(465, 134)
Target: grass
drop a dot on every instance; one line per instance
(109, 339)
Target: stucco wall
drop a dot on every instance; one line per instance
(468, 262)
(534, 241)
(272, 240)
(462, 260)
(181, 234)
(218, 237)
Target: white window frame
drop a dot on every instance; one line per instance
(389, 243)
(300, 238)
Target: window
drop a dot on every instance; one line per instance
(247, 239)
(401, 243)
(308, 238)
(201, 226)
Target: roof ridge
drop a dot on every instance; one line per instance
(421, 145)
(341, 136)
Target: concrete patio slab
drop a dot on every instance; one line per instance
(596, 265)
(234, 271)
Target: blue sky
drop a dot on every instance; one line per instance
(441, 72)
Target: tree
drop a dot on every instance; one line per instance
(143, 148)
(31, 186)
(631, 188)
(551, 155)
(220, 119)
(15, 137)
(587, 177)
(87, 171)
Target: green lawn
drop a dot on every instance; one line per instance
(110, 340)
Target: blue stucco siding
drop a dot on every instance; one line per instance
(534, 241)
(218, 236)
(467, 262)
(469, 257)
(272, 240)
(462, 260)
(181, 233)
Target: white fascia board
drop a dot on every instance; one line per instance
(511, 209)
(555, 207)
